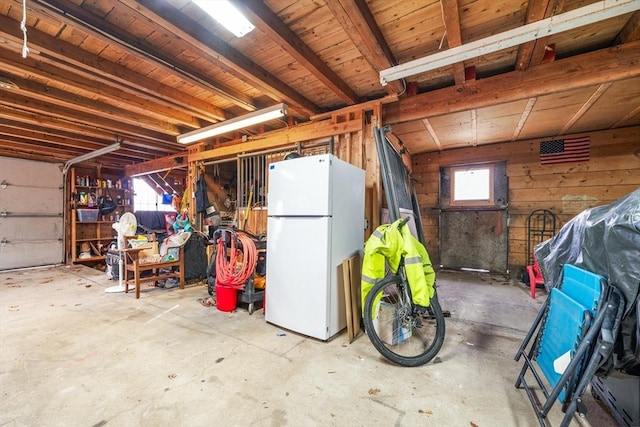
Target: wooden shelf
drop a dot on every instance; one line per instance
(96, 233)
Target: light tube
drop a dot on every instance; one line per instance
(236, 123)
(91, 155)
(556, 24)
(227, 16)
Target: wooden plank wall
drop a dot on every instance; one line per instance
(358, 148)
(566, 189)
(355, 146)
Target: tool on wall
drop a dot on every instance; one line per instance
(248, 210)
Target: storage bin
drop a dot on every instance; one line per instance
(87, 215)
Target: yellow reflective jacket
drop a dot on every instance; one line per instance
(391, 244)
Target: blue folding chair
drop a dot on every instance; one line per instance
(583, 310)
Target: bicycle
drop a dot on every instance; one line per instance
(403, 332)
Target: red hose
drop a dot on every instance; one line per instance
(233, 271)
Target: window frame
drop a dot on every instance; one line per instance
(475, 202)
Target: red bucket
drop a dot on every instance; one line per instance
(226, 298)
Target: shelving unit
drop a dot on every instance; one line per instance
(86, 189)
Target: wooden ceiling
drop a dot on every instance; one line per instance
(145, 71)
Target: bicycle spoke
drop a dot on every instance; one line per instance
(404, 337)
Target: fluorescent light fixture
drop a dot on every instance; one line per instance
(236, 123)
(91, 155)
(556, 24)
(227, 16)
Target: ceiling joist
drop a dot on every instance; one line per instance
(616, 63)
(267, 21)
(569, 20)
(211, 45)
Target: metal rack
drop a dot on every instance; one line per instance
(541, 225)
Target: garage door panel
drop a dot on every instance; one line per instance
(43, 228)
(32, 200)
(21, 254)
(31, 213)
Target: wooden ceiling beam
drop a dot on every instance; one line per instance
(7, 151)
(432, 133)
(57, 97)
(626, 117)
(631, 30)
(594, 68)
(358, 22)
(543, 44)
(115, 126)
(304, 132)
(157, 165)
(262, 17)
(46, 153)
(523, 118)
(105, 74)
(451, 18)
(87, 94)
(536, 10)
(203, 40)
(59, 126)
(75, 15)
(22, 148)
(26, 145)
(585, 107)
(39, 136)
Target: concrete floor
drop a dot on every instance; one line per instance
(73, 355)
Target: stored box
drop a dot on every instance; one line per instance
(87, 215)
(620, 395)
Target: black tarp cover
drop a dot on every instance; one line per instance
(604, 240)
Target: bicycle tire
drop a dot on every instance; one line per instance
(409, 347)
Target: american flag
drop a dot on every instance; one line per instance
(565, 150)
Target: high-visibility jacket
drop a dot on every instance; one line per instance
(392, 244)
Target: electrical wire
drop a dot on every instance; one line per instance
(233, 270)
(23, 27)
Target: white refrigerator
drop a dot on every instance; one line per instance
(315, 221)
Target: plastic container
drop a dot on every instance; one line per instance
(87, 215)
(226, 298)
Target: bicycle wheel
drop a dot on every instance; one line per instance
(400, 334)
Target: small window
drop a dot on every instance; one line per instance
(147, 199)
(472, 186)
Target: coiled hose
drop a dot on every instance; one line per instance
(233, 271)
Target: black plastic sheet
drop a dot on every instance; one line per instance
(604, 240)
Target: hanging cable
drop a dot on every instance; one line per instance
(23, 27)
(233, 270)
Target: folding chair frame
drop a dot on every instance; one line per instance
(593, 350)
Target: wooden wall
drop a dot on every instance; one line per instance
(353, 142)
(566, 189)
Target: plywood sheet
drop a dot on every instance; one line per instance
(349, 274)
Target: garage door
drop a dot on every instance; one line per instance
(31, 213)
